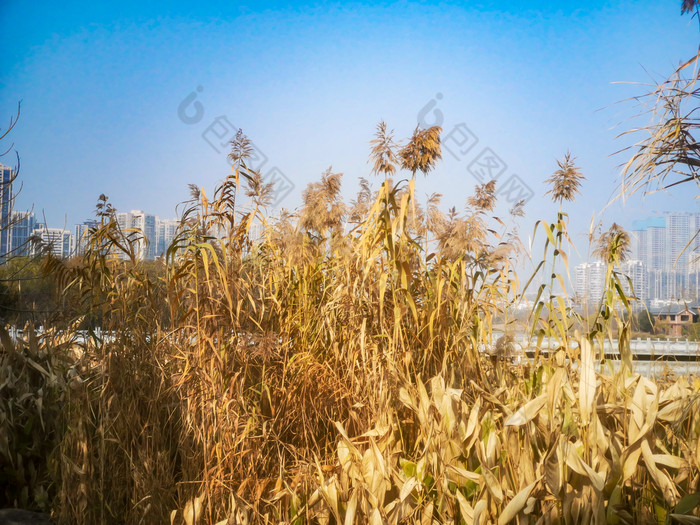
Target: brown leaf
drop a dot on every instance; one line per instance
(516, 504)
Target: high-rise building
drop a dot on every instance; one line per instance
(21, 230)
(81, 236)
(666, 245)
(57, 240)
(145, 224)
(167, 230)
(639, 244)
(590, 281)
(7, 176)
(126, 223)
(634, 273)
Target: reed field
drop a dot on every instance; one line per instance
(341, 368)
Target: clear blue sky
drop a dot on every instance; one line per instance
(101, 83)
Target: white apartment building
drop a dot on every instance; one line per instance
(166, 231)
(634, 272)
(145, 223)
(58, 240)
(590, 281)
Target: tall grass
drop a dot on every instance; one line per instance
(336, 371)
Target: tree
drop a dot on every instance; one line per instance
(692, 331)
(645, 322)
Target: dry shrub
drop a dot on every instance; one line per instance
(480, 457)
(281, 379)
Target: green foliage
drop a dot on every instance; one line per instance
(645, 322)
(692, 331)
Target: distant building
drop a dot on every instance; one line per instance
(673, 317)
(635, 273)
(7, 176)
(590, 281)
(57, 240)
(167, 230)
(257, 229)
(145, 224)
(81, 236)
(22, 229)
(667, 246)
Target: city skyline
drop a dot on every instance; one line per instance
(663, 263)
(664, 246)
(113, 119)
(157, 233)
(21, 234)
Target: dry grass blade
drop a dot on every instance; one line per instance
(669, 153)
(322, 374)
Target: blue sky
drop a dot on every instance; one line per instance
(101, 85)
